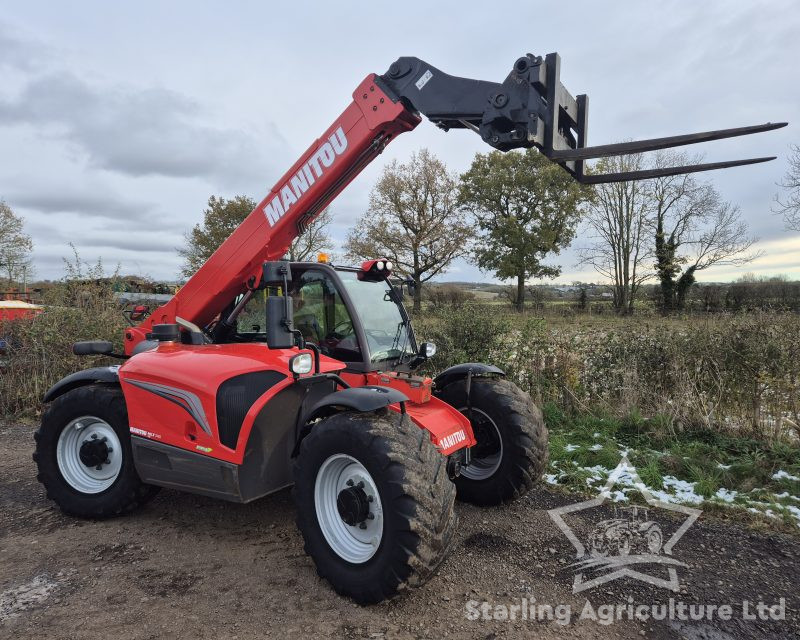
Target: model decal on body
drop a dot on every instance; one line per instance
(184, 399)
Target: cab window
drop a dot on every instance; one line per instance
(252, 320)
(322, 317)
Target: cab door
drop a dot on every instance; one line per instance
(323, 317)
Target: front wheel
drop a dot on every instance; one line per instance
(374, 504)
(84, 457)
(511, 450)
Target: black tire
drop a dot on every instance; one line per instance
(523, 435)
(127, 491)
(419, 520)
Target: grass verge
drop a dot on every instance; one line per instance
(742, 478)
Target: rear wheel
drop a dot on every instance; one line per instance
(374, 504)
(84, 457)
(511, 450)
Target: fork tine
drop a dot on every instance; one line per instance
(646, 174)
(653, 144)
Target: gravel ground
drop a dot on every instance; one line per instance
(188, 566)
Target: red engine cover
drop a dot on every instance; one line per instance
(171, 395)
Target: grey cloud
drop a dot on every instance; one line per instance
(16, 53)
(136, 132)
(82, 204)
(155, 243)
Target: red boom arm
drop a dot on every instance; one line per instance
(355, 138)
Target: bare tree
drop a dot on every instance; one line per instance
(619, 220)
(413, 220)
(315, 239)
(15, 246)
(790, 205)
(694, 230)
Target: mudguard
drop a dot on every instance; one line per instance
(363, 399)
(81, 378)
(456, 372)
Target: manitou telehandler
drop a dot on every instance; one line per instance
(259, 374)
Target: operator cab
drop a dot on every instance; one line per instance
(353, 316)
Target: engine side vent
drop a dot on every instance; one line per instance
(235, 396)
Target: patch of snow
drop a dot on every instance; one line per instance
(616, 496)
(783, 475)
(794, 511)
(597, 469)
(682, 491)
(726, 495)
(786, 494)
(551, 478)
(572, 447)
(723, 466)
(596, 447)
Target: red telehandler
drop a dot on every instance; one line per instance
(259, 374)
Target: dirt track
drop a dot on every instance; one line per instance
(191, 567)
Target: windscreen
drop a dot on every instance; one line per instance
(388, 336)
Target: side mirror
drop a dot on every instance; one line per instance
(280, 322)
(411, 286)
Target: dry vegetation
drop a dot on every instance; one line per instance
(39, 349)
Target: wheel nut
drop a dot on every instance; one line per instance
(363, 525)
(349, 483)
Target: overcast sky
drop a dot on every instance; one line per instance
(119, 120)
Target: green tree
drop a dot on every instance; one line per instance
(15, 246)
(413, 220)
(220, 219)
(526, 208)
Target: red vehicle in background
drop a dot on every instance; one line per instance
(14, 306)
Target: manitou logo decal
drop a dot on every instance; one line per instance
(322, 159)
(452, 440)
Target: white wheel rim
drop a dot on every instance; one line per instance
(486, 467)
(76, 474)
(351, 543)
